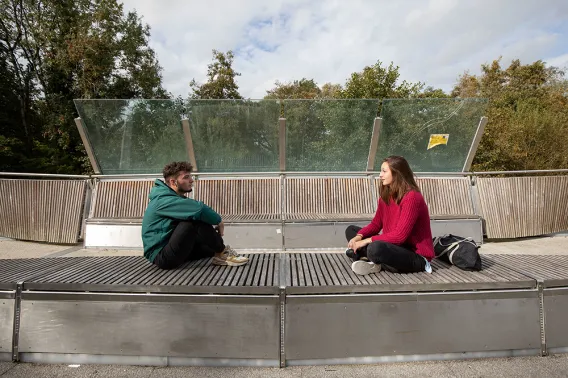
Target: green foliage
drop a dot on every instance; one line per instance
(54, 51)
(378, 82)
(297, 89)
(408, 125)
(134, 136)
(220, 79)
(235, 135)
(528, 116)
(328, 135)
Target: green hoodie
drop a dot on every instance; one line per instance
(165, 210)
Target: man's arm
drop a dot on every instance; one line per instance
(187, 208)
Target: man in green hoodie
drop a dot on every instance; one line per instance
(177, 229)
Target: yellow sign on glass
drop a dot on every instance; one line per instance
(437, 139)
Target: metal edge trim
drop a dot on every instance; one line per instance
(11, 294)
(150, 289)
(554, 291)
(558, 350)
(413, 297)
(146, 297)
(68, 358)
(415, 357)
(442, 288)
(5, 357)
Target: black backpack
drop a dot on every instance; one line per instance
(458, 251)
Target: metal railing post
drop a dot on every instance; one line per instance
(189, 143)
(475, 144)
(88, 146)
(374, 143)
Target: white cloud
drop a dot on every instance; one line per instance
(432, 41)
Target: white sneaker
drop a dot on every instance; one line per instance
(363, 268)
(229, 257)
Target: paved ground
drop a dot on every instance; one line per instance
(550, 367)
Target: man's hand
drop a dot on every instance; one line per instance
(352, 242)
(221, 228)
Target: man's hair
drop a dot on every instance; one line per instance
(175, 168)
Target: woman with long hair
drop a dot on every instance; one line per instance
(405, 244)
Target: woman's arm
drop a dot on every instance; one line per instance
(375, 226)
(411, 205)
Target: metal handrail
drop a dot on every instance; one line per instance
(278, 173)
(53, 175)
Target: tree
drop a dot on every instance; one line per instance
(528, 116)
(220, 79)
(329, 90)
(61, 50)
(297, 89)
(430, 92)
(378, 82)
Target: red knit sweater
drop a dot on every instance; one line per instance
(407, 223)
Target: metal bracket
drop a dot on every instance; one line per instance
(16, 330)
(282, 209)
(540, 287)
(283, 272)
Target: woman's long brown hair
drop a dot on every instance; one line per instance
(402, 180)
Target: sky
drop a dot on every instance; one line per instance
(432, 41)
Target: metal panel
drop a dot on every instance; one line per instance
(311, 198)
(146, 328)
(242, 199)
(6, 322)
(539, 205)
(444, 196)
(136, 274)
(42, 210)
(114, 235)
(462, 227)
(374, 325)
(317, 234)
(122, 234)
(254, 236)
(326, 233)
(316, 273)
(121, 199)
(555, 313)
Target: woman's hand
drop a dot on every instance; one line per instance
(361, 244)
(354, 240)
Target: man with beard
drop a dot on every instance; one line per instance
(177, 229)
